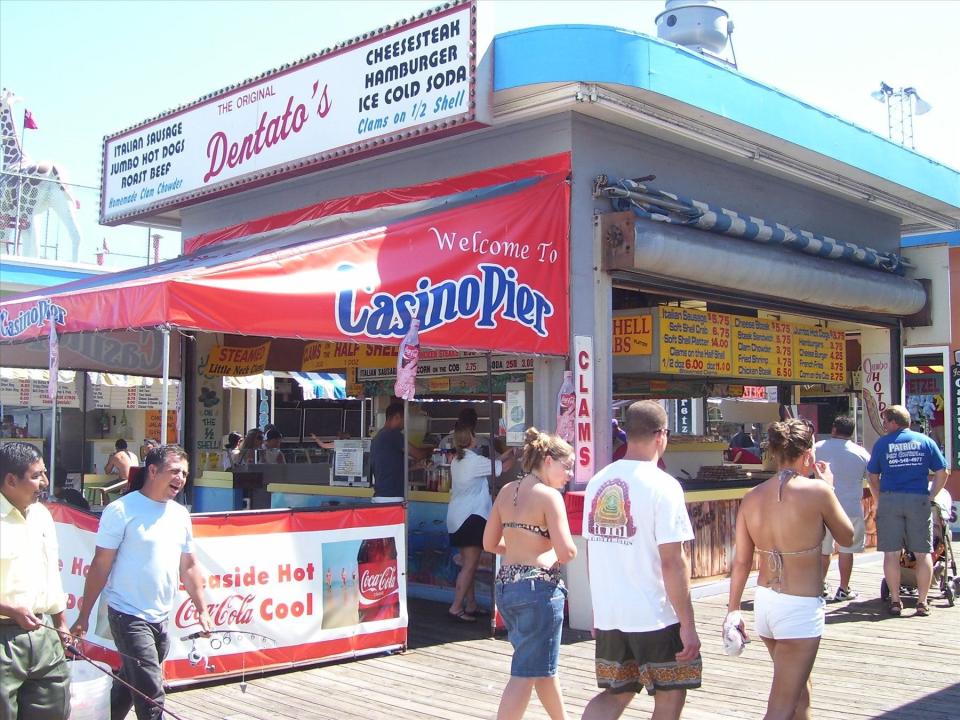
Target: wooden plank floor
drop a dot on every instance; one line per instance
(869, 666)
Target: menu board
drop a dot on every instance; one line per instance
(697, 342)
(134, 397)
(26, 392)
(464, 364)
(694, 342)
(819, 354)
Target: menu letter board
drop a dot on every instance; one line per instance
(694, 342)
(818, 354)
(755, 347)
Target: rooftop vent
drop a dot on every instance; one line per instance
(698, 25)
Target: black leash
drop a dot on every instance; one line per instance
(71, 648)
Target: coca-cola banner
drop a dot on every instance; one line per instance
(285, 588)
(407, 84)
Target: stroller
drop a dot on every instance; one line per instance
(944, 564)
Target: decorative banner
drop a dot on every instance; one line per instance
(633, 334)
(225, 360)
(284, 588)
(412, 83)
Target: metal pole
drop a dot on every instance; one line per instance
(165, 399)
(406, 450)
(53, 443)
(493, 479)
(23, 131)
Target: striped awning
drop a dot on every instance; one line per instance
(321, 385)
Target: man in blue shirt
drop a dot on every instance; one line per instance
(899, 467)
(388, 453)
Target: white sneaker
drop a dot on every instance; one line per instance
(844, 594)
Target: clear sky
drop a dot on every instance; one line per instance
(88, 69)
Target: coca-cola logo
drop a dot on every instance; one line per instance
(232, 610)
(377, 584)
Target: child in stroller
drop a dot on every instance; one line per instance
(944, 564)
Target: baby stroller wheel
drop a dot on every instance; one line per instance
(884, 590)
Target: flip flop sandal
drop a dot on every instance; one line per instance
(462, 616)
(479, 612)
(895, 609)
(923, 610)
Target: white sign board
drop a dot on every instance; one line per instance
(399, 87)
(583, 380)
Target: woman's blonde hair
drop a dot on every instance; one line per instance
(539, 446)
(462, 438)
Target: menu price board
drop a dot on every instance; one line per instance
(819, 354)
(27, 392)
(694, 342)
(134, 397)
(465, 364)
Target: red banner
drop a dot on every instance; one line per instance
(486, 274)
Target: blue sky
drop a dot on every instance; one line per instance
(103, 66)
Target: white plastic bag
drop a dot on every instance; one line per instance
(734, 638)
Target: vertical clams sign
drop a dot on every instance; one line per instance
(401, 86)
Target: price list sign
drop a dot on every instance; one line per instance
(819, 354)
(783, 350)
(694, 342)
(755, 348)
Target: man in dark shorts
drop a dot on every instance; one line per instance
(635, 523)
(899, 469)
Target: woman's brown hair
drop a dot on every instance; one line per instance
(790, 439)
(462, 438)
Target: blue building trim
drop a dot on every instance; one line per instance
(15, 274)
(950, 238)
(592, 53)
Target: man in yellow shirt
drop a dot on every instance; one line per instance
(34, 680)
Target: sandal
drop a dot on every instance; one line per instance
(895, 608)
(462, 616)
(479, 612)
(923, 610)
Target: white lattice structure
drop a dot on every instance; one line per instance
(28, 190)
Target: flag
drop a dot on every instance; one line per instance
(54, 360)
(28, 122)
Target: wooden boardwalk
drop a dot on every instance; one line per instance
(869, 666)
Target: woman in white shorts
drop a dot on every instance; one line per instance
(783, 520)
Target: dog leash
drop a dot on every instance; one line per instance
(72, 648)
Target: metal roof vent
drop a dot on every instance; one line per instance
(700, 26)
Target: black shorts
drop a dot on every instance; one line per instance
(630, 661)
(470, 534)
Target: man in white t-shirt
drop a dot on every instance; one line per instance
(848, 463)
(635, 523)
(144, 550)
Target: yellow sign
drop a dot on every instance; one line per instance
(819, 354)
(754, 347)
(694, 342)
(324, 356)
(633, 334)
(225, 360)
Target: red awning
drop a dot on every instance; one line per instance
(482, 260)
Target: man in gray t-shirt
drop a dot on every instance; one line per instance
(848, 463)
(144, 550)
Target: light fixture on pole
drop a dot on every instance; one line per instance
(902, 104)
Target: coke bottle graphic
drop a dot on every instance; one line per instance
(406, 385)
(379, 584)
(566, 410)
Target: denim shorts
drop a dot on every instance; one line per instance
(533, 613)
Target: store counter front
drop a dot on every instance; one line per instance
(285, 588)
